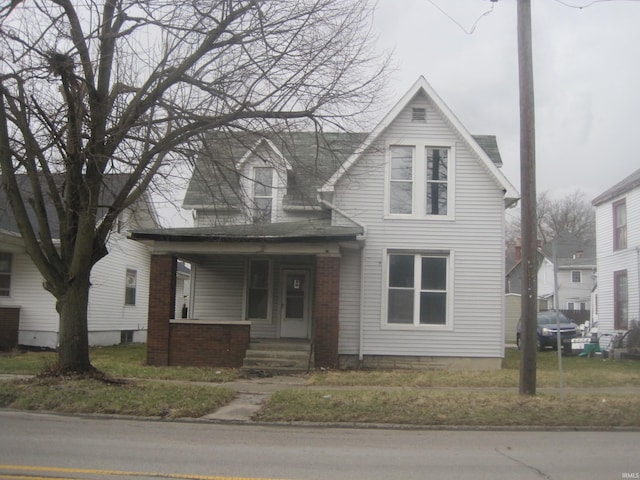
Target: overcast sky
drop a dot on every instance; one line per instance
(586, 79)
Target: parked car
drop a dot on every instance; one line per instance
(547, 330)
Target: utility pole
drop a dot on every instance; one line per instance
(528, 341)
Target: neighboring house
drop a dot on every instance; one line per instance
(618, 253)
(576, 275)
(119, 295)
(383, 249)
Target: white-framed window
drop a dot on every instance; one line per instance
(437, 180)
(258, 290)
(620, 225)
(576, 276)
(420, 181)
(131, 284)
(6, 261)
(262, 194)
(401, 180)
(418, 290)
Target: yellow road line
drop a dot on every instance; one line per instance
(30, 468)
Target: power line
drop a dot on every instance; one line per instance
(593, 2)
(475, 24)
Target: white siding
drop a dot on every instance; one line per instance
(610, 261)
(38, 316)
(218, 288)
(474, 237)
(107, 311)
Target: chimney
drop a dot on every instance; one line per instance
(518, 250)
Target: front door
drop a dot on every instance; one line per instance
(295, 304)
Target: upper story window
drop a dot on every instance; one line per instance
(620, 225)
(418, 289)
(5, 273)
(401, 185)
(130, 287)
(437, 178)
(576, 276)
(262, 194)
(419, 181)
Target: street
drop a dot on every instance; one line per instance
(40, 446)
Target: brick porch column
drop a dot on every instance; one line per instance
(162, 300)
(326, 311)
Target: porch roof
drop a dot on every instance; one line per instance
(270, 232)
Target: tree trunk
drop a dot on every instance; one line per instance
(73, 351)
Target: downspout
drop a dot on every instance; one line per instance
(638, 282)
(363, 237)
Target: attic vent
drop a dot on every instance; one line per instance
(419, 115)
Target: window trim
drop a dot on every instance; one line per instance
(617, 325)
(616, 228)
(579, 274)
(418, 254)
(419, 183)
(270, 286)
(255, 197)
(9, 273)
(127, 288)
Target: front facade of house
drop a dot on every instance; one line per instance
(382, 250)
(118, 299)
(576, 273)
(618, 245)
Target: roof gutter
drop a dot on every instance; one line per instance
(327, 204)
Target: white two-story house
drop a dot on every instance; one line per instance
(382, 249)
(119, 294)
(618, 255)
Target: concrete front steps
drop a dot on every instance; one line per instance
(278, 356)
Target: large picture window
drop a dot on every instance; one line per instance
(417, 289)
(6, 260)
(621, 297)
(258, 291)
(262, 194)
(620, 225)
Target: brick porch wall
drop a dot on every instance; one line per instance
(162, 296)
(208, 344)
(326, 311)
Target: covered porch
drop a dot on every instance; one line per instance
(250, 283)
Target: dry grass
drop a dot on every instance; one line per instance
(452, 407)
(65, 395)
(578, 372)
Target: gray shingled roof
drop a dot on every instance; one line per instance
(113, 183)
(275, 232)
(489, 144)
(629, 183)
(570, 251)
(314, 158)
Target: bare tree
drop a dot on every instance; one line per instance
(572, 213)
(94, 87)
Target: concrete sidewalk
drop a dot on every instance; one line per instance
(250, 395)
